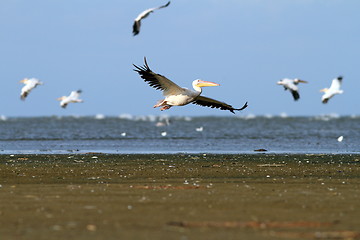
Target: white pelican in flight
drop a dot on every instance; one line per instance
(178, 96)
(30, 84)
(333, 90)
(72, 98)
(144, 14)
(291, 85)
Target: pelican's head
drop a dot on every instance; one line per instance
(24, 80)
(324, 90)
(296, 80)
(280, 82)
(202, 83)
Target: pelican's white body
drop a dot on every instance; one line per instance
(183, 98)
(291, 85)
(333, 90)
(30, 84)
(176, 96)
(72, 98)
(288, 84)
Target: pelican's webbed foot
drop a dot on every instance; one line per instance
(160, 103)
(165, 107)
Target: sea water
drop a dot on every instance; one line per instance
(163, 134)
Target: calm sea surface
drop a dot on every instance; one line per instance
(150, 134)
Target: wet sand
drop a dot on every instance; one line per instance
(179, 196)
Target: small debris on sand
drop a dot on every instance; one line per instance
(260, 150)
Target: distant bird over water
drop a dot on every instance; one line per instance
(333, 90)
(199, 129)
(30, 84)
(291, 85)
(178, 96)
(72, 98)
(144, 14)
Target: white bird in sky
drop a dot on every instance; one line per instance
(29, 85)
(178, 96)
(144, 14)
(72, 98)
(333, 90)
(291, 85)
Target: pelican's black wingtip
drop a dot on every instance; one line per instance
(239, 109)
(144, 68)
(145, 61)
(295, 95)
(146, 64)
(245, 106)
(136, 28)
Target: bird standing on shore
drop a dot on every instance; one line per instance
(144, 14)
(30, 84)
(72, 98)
(178, 96)
(333, 90)
(291, 85)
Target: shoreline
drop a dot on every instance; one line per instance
(170, 153)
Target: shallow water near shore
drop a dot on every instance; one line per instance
(180, 196)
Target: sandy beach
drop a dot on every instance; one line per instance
(179, 196)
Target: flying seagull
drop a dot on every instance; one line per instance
(291, 85)
(72, 98)
(178, 96)
(144, 14)
(30, 84)
(333, 90)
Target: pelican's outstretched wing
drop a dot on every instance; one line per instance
(144, 14)
(336, 84)
(157, 81)
(209, 102)
(75, 95)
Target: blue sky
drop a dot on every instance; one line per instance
(244, 45)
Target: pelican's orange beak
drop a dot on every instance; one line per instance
(24, 80)
(323, 90)
(302, 81)
(203, 83)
